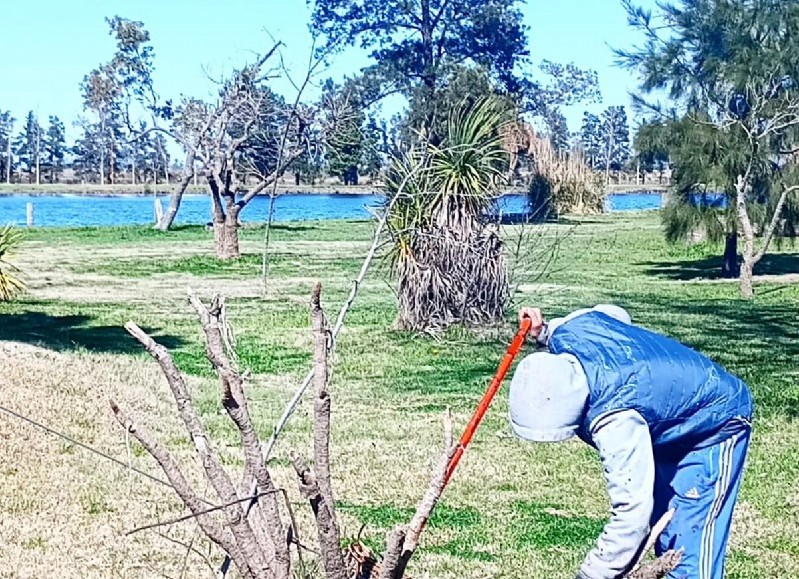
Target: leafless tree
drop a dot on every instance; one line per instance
(259, 544)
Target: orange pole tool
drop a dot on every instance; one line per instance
(488, 397)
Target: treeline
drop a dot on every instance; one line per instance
(126, 131)
(39, 153)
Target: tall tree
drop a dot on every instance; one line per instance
(100, 91)
(345, 148)
(87, 151)
(614, 133)
(417, 45)
(6, 158)
(55, 148)
(374, 147)
(732, 68)
(558, 131)
(651, 148)
(591, 140)
(29, 147)
(414, 43)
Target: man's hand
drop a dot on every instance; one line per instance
(536, 319)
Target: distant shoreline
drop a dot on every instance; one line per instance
(124, 190)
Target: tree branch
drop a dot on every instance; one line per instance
(322, 401)
(775, 219)
(214, 531)
(235, 403)
(219, 479)
(329, 535)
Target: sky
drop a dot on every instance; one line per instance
(49, 45)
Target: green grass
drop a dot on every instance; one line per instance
(513, 510)
(281, 231)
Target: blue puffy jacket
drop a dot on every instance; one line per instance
(687, 400)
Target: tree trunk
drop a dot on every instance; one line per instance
(731, 269)
(102, 164)
(747, 275)
(8, 159)
(189, 172)
(226, 235)
(749, 260)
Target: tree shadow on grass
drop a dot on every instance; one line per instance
(710, 268)
(74, 332)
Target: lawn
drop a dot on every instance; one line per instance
(513, 510)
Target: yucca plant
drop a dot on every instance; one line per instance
(447, 259)
(10, 282)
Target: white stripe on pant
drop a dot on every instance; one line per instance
(720, 490)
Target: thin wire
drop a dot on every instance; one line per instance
(90, 449)
(201, 513)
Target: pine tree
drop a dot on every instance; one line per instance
(558, 131)
(615, 139)
(29, 147)
(731, 68)
(55, 148)
(590, 139)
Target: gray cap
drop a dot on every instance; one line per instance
(547, 397)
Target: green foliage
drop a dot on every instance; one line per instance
(29, 145)
(614, 139)
(55, 147)
(731, 70)
(591, 140)
(418, 47)
(6, 128)
(558, 131)
(357, 143)
(414, 44)
(449, 264)
(430, 112)
(451, 184)
(10, 282)
(651, 148)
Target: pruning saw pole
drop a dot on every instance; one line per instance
(488, 397)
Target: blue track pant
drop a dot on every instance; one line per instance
(702, 487)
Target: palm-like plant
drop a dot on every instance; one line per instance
(10, 282)
(448, 260)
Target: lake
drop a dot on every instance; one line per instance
(87, 210)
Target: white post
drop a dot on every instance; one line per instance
(29, 208)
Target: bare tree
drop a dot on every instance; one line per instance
(259, 544)
(244, 143)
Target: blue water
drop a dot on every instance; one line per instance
(80, 210)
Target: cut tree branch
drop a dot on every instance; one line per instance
(329, 535)
(219, 479)
(235, 403)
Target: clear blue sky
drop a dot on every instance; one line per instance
(47, 46)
